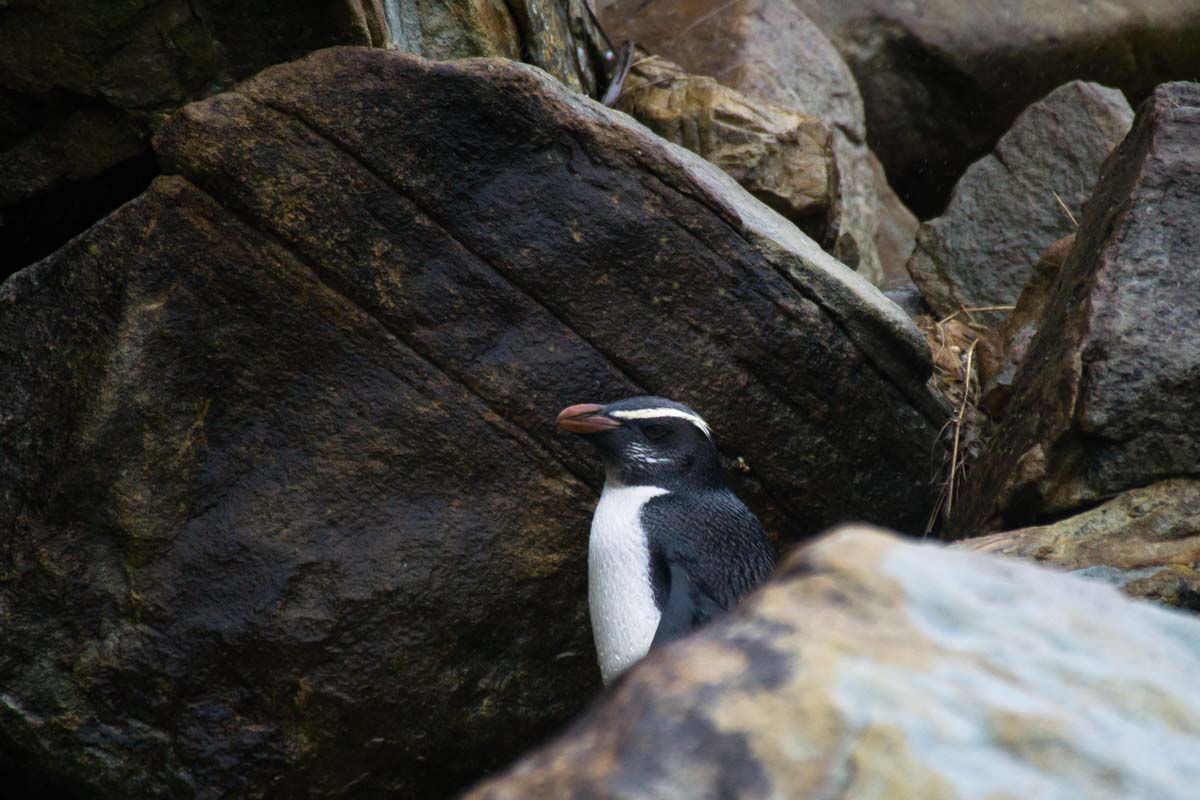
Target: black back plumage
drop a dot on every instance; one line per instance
(715, 539)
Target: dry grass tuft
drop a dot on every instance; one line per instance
(954, 341)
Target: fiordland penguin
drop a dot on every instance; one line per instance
(671, 546)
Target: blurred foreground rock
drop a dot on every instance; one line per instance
(1145, 541)
(1017, 201)
(1108, 396)
(874, 668)
(284, 510)
(941, 80)
(768, 49)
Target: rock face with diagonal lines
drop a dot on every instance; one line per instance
(282, 504)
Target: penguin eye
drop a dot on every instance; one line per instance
(655, 431)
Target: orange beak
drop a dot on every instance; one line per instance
(585, 418)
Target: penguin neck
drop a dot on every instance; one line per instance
(621, 476)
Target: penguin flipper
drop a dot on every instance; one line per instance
(687, 606)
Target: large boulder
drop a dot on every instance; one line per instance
(1145, 541)
(1018, 200)
(283, 504)
(1108, 395)
(83, 85)
(872, 668)
(770, 50)
(941, 80)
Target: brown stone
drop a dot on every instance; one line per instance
(780, 156)
(1108, 396)
(768, 49)
(83, 85)
(942, 80)
(1145, 541)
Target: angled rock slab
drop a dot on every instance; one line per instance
(1006, 209)
(677, 281)
(873, 668)
(1145, 541)
(1108, 396)
(283, 506)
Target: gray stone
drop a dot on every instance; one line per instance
(1004, 212)
(1145, 541)
(1108, 396)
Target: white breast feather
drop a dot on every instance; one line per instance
(620, 595)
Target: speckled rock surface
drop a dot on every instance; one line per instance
(872, 668)
(283, 506)
(769, 49)
(1004, 212)
(1145, 541)
(1108, 396)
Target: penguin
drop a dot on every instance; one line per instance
(670, 546)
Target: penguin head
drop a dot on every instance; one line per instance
(648, 441)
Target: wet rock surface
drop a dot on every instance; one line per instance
(869, 667)
(941, 81)
(1017, 201)
(1146, 542)
(285, 510)
(1108, 397)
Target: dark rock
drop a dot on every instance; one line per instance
(1006, 209)
(869, 667)
(284, 507)
(941, 80)
(908, 299)
(83, 84)
(1009, 342)
(769, 49)
(1145, 542)
(1108, 396)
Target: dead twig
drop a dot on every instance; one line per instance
(958, 422)
(974, 310)
(1063, 206)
